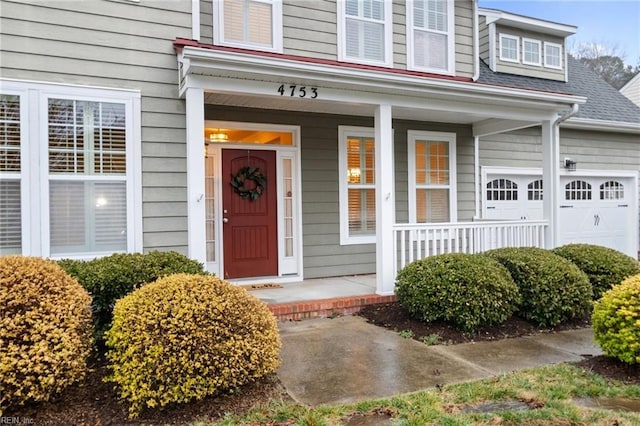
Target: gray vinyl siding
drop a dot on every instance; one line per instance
(117, 44)
(464, 38)
(524, 69)
(484, 39)
(323, 254)
(632, 90)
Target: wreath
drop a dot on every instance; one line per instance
(254, 174)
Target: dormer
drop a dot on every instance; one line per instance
(520, 45)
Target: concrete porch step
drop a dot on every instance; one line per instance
(324, 308)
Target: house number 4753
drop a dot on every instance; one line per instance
(299, 91)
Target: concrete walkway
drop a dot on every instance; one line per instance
(342, 360)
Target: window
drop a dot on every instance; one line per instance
(431, 177)
(502, 190)
(531, 52)
(612, 190)
(534, 190)
(357, 185)
(509, 48)
(78, 188)
(10, 179)
(552, 55)
(253, 24)
(364, 31)
(430, 39)
(577, 190)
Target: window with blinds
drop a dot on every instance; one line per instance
(249, 23)
(10, 179)
(430, 35)
(432, 181)
(87, 176)
(365, 29)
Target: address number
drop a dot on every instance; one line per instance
(299, 91)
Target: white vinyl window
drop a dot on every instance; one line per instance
(253, 24)
(80, 185)
(365, 32)
(357, 185)
(552, 55)
(430, 37)
(531, 52)
(509, 48)
(432, 176)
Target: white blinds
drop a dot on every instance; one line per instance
(248, 21)
(365, 29)
(430, 34)
(10, 200)
(10, 223)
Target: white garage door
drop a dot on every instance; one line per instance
(593, 209)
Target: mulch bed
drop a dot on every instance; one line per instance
(95, 402)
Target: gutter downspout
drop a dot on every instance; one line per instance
(571, 113)
(476, 43)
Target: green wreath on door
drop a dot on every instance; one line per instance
(250, 173)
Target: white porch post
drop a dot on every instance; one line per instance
(385, 200)
(551, 180)
(195, 175)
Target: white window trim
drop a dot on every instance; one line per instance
(35, 165)
(451, 53)
(536, 42)
(388, 36)
(343, 133)
(559, 46)
(276, 28)
(517, 40)
(412, 137)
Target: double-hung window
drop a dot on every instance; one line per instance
(552, 55)
(509, 48)
(430, 38)
(252, 24)
(432, 176)
(69, 170)
(357, 185)
(531, 52)
(365, 32)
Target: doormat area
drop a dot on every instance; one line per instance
(260, 286)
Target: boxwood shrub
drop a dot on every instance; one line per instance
(185, 337)
(466, 290)
(553, 289)
(109, 278)
(616, 321)
(604, 266)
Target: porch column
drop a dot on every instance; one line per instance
(550, 180)
(385, 200)
(195, 175)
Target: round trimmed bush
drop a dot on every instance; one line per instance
(466, 290)
(109, 278)
(45, 330)
(553, 289)
(616, 321)
(185, 337)
(604, 266)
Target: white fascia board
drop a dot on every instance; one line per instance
(201, 61)
(527, 23)
(494, 126)
(601, 125)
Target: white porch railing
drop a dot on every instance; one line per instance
(417, 241)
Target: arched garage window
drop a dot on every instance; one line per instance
(577, 190)
(534, 190)
(611, 190)
(502, 190)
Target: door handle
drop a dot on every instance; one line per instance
(225, 220)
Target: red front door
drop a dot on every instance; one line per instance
(249, 227)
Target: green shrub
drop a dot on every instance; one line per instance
(553, 289)
(605, 267)
(469, 291)
(184, 337)
(109, 278)
(45, 330)
(616, 321)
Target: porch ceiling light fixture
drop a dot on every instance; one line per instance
(218, 136)
(570, 165)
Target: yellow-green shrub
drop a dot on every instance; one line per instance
(185, 337)
(45, 330)
(616, 321)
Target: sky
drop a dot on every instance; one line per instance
(613, 23)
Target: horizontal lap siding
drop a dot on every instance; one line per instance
(123, 45)
(464, 38)
(484, 39)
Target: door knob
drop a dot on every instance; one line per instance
(225, 220)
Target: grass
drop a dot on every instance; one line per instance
(549, 391)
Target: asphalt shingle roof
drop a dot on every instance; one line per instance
(603, 101)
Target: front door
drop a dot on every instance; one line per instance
(250, 221)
